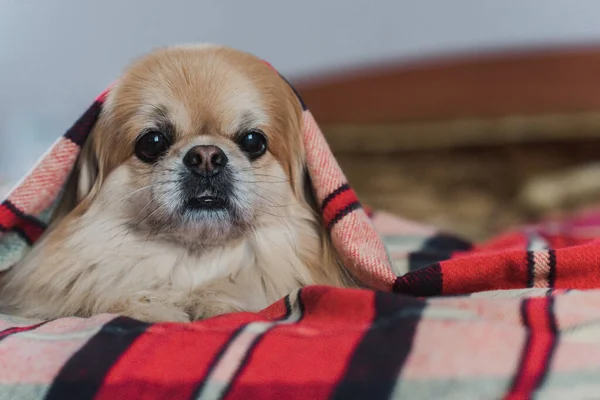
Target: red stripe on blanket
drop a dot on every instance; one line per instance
(268, 64)
(335, 208)
(102, 97)
(506, 270)
(308, 371)
(10, 218)
(169, 361)
(505, 242)
(576, 267)
(538, 317)
(278, 310)
(561, 241)
(573, 267)
(31, 230)
(11, 331)
(341, 189)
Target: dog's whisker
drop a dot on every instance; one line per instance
(129, 195)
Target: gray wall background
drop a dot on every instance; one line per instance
(55, 56)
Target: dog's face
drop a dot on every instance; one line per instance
(197, 145)
(188, 199)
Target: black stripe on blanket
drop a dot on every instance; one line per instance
(80, 130)
(552, 265)
(288, 308)
(377, 361)
(530, 269)
(81, 377)
(428, 281)
(435, 249)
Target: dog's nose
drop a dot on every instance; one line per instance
(205, 160)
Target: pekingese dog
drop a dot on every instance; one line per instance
(189, 199)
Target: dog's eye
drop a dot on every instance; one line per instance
(253, 143)
(150, 146)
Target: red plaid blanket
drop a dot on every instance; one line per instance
(513, 318)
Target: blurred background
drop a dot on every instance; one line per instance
(472, 115)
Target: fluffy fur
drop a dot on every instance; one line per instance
(120, 241)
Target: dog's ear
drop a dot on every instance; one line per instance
(83, 183)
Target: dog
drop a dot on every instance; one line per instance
(189, 199)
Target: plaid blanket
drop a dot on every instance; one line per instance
(517, 317)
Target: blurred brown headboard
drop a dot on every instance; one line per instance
(535, 95)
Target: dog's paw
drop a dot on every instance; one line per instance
(212, 309)
(157, 313)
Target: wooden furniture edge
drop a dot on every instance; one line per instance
(466, 132)
(548, 81)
